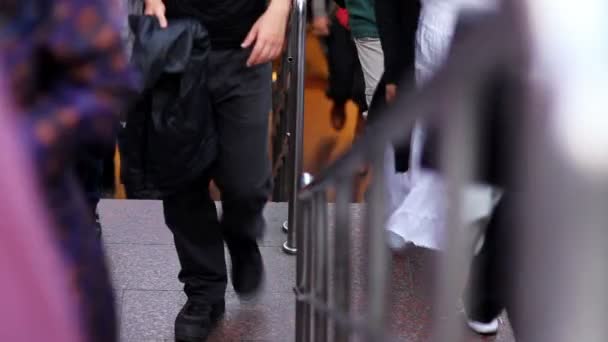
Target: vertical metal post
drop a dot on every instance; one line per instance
(288, 68)
(302, 278)
(321, 260)
(379, 255)
(313, 271)
(564, 184)
(280, 109)
(296, 106)
(341, 257)
(459, 161)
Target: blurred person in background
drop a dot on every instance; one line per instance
(397, 26)
(421, 215)
(67, 75)
(346, 82)
(31, 269)
(364, 30)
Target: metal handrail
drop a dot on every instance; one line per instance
(295, 108)
(324, 313)
(281, 128)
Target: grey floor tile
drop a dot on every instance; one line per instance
(280, 270)
(149, 316)
(145, 267)
(137, 235)
(122, 212)
(142, 222)
(119, 297)
(424, 264)
(275, 214)
(155, 267)
(271, 319)
(131, 221)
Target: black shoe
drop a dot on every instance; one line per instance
(196, 320)
(247, 267)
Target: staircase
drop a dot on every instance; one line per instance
(144, 267)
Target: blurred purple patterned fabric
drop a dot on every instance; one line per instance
(34, 284)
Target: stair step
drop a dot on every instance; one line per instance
(144, 267)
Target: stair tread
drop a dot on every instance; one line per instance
(144, 267)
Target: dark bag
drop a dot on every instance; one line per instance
(170, 136)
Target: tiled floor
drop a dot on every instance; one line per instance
(144, 266)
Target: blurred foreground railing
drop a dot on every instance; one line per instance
(323, 283)
(556, 52)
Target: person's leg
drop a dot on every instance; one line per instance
(242, 103)
(339, 60)
(488, 287)
(372, 63)
(378, 103)
(358, 88)
(192, 217)
(402, 158)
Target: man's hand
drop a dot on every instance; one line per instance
(156, 8)
(391, 92)
(268, 33)
(320, 26)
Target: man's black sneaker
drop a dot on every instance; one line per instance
(196, 320)
(247, 267)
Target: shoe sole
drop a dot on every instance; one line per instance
(215, 320)
(185, 337)
(484, 328)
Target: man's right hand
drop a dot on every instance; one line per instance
(157, 9)
(320, 26)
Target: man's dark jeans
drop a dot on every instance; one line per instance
(241, 101)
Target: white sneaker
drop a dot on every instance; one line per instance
(395, 241)
(490, 328)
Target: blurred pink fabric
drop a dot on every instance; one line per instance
(35, 303)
